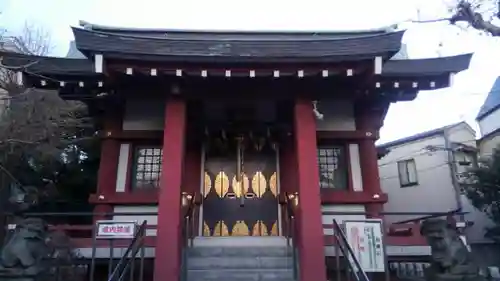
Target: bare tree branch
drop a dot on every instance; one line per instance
(33, 40)
(465, 12)
(36, 125)
(478, 14)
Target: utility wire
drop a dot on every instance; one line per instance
(419, 171)
(422, 151)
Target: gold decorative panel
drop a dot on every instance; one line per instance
(221, 229)
(259, 229)
(206, 229)
(259, 184)
(273, 184)
(237, 185)
(274, 229)
(221, 184)
(207, 184)
(240, 229)
(255, 213)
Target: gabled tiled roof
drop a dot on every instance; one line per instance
(421, 135)
(240, 46)
(492, 101)
(42, 65)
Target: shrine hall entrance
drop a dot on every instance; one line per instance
(240, 188)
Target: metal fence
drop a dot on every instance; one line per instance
(76, 253)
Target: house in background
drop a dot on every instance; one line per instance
(424, 173)
(416, 171)
(488, 119)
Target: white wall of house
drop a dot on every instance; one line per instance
(432, 189)
(488, 144)
(491, 140)
(490, 122)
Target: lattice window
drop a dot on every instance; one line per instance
(147, 169)
(332, 165)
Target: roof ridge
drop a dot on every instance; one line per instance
(310, 39)
(98, 27)
(421, 135)
(491, 102)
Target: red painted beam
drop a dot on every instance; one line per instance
(347, 135)
(134, 198)
(351, 197)
(132, 135)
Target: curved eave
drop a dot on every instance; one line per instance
(49, 66)
(422, 74)
(426, 67)
(310, 49)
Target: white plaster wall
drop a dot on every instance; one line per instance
(356, 176)
(434, 192)
(487, 145)
(490, 123)
(144, 113)
(338, 115)
(463, 134)
(328, 219)
(122, 171)
(151, 219)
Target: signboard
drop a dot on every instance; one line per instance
(108, 229)
(366, 240)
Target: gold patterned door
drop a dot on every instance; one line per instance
(244, 205)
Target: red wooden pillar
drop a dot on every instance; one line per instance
(108, 165)
(369, 173)
(310, 227)
(168, 239)
(368, 120)
(106, 178)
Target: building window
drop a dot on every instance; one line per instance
(332, 165)
(147, 167)
(407, 170)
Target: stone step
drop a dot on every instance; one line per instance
(262, 262)
(239, 252)
(241, 275)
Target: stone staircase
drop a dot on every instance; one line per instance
(239, 263)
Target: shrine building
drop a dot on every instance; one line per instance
(240, 129)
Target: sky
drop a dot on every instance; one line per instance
(431, 109)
